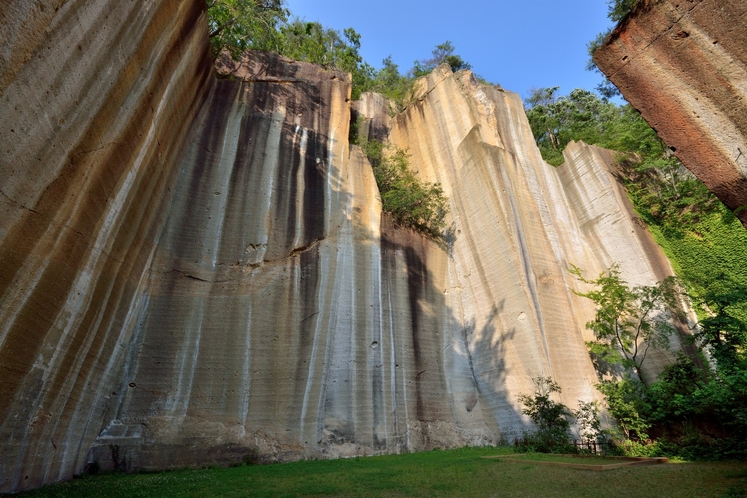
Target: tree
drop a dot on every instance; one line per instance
(442, 54)
(723, 331)
(587, 419)
(312, 42)
(555, 121)
(549, 416)
(617, 10)
(606, 88)
(541, 96)
(628, 404)
(238, 25)
(391, 84)
(662, 189)
(629, 321)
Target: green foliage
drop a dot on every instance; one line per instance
(588, 422)
(722, 330)
(581, 115)
(693, 412)
(606, 88)
(651, 168)
(411, 202)
(391, 84)
(629, 321)
(707, 252)
(442, 54)
(628, 404)
(238, 25)
(690, 408)
(618, 9)
(312, 42)
(550, 417)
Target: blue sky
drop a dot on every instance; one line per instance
(519, 44)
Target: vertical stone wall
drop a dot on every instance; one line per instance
(95, 101)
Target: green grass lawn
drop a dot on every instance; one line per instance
(461, 472)
(579, 460)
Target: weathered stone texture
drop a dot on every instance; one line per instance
(519, 224)
(96, 101)
(683, 65)
(192, 270)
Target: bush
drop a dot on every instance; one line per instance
(411, 202)
(550, 418)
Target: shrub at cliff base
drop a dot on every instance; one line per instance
(695, 409)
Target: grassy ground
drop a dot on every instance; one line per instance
(460, 472)
(581, 460)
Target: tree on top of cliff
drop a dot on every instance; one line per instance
(653, 175)
(238, 25)
(312, 42)
(618, 9)
(555, 121)
(442, 54)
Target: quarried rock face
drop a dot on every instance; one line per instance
(95, 104)
(683, 65)
(196, 270)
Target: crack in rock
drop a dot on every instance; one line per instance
(628, 58)
(13, 201)
(100, 147)
(295, 252)
(51, 220)
(192, 277)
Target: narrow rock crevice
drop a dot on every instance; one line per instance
(295, 252)
(192, 277)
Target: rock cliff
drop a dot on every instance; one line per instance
(683, 65)
(193, 270)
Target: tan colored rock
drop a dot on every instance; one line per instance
(97, 98)
(683, 65)
(519, 224)
(194, 270)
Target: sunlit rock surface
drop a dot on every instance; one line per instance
(195, 270)
(683, 65)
